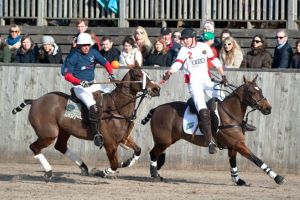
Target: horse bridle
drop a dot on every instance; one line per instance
(144, 91)
(254, 104)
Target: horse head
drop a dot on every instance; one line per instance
(254, 97)
(138, 81)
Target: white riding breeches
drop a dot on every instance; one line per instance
(197, 90)
(85, 94)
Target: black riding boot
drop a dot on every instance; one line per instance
(94, 119)
(205, 127)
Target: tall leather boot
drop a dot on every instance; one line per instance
(205, 127)
(94, 119)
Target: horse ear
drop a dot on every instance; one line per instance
(254, 80)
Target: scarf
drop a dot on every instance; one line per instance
(11, 41)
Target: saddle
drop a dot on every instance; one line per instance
(211, 105)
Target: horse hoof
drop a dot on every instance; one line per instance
(279, 180)
(48, 176)
(84, 170)
(97, 172)
(240, 182)
(158, 178)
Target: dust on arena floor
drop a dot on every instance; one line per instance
(24, 181)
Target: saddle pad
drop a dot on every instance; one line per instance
(190, 122)
(73, 110)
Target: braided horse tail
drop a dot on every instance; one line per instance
(148, 117)
(21, 106)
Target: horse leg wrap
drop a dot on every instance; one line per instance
(268, 170)
(43, 162)
(74, 157)
(234, 175)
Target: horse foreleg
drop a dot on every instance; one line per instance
(111, 152)
(234, 171)
(36, 148)
(61, 146)
(244, 150)
(136, 155)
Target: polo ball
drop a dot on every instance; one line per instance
(115, 64)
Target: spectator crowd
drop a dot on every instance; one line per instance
(138, 50)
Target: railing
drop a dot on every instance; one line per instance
(161, 12)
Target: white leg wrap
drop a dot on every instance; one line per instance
(136, 157)
(234, 175)
(268, 171)
(153, 163)
(108, 171)
(74, 157)
(43, 162)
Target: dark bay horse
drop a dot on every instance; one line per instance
(167, 128)
(46, 116)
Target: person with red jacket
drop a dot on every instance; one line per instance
(80, 71)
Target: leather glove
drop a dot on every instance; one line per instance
(166, 76)
(85, 84)
(112, 77)
(225, 81)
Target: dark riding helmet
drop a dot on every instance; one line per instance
(188, 33)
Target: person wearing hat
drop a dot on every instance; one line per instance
(193, 57)
(79, 69)
(49, 52)
(173, 47)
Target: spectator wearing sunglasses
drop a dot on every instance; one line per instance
(13, 40)
(296, 58)
(258, 56)
(231, 54)
(283, 52)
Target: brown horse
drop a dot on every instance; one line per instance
(167, 128)
(119, 108)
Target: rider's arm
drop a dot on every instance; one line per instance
(72, 79)
(103, 61)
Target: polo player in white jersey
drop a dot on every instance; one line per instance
(193, 57)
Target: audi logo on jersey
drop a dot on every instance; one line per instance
(198, 61)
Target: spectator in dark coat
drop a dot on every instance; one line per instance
(27, 53)
(283, 51)
(49, 52)
(295, 63)
(173, 47)
(258, 56)
(159, 55)
(108, 51)
(5, 53)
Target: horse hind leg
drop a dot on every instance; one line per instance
(243, 150)
(36, 148)
(157, 157)
(61, 146)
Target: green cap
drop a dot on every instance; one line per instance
(208, 36)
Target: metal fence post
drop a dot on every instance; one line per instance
(122, 13)
(40, 13)
(292, 14)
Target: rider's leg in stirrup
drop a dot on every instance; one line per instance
(94, 118)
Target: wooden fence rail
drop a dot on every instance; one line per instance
(276, 140)
(161, 12)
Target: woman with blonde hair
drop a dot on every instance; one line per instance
(231, 54)
(142, 40)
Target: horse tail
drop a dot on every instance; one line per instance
(22, 105)
(148, 117)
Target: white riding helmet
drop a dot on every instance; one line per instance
(84, 38)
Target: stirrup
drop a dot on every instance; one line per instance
(98, 140)
(212, 148)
